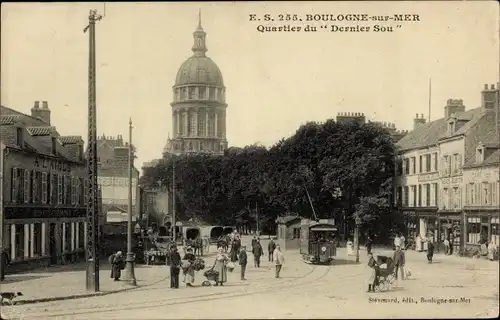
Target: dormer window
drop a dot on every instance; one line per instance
(54, 150)
(480, 154)
(19, 136)
(451, 127)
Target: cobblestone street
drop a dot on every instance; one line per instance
(305, 291)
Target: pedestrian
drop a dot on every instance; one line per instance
(243, 261)
(369, 244)
(399, 262)
(430, 250)
(220, 266)
(349, 247)
(279, 260)
(235, 248)
(5, 262)
(257, 253)
(397, 241)
(402, 238)
(372, 273)
(270, 248)
(492, 250)
(117, 265)
(175, 267)
(189, 271)
(254, 241)
(446, 246)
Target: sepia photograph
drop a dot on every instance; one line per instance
(250, 160)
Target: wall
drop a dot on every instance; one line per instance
(18, 159)
(454, 179)
(115, 190)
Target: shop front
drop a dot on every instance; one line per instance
(450, 226)
(482, 226)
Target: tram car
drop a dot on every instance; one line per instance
(318, 241)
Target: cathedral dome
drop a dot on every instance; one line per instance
(199, 69)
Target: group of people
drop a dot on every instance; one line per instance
(223, 260)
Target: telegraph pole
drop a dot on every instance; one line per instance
(2, 263)
(173, 200)
(92, 283)
(129, 270)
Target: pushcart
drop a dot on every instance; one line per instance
(210, 275)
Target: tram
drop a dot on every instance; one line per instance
(318, 241)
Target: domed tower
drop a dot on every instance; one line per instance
(199, 104)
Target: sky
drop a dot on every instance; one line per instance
(275, 81)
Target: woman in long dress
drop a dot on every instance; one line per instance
(189, 271)
(492, 248)
(220, 266)
(349, 247)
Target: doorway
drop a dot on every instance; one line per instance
(52, 244)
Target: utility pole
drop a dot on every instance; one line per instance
(92, 283)
(129, 269)
(258, 221)
(2, 263)
(173, 200)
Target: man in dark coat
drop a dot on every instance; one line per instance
(254, 241)
(399, 262)
(257, 253)
(5, 262)
(369, 244)
(243, 261)
(175, 268)
(430, 250)
(270, 248)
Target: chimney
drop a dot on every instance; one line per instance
(419, 120)
(41, 113)
(489, 97)
(453, 106)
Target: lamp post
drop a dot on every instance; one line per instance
(129, 269)
(356, 236)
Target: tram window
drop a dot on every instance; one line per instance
(296, 233)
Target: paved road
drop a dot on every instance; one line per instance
(305, 291)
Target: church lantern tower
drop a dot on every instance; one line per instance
(199, 104)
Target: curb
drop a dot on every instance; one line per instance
(84, 295)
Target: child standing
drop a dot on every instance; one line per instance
(242, 257)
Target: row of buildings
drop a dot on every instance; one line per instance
(447, 182)
(44, 174)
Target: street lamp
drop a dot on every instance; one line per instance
(129, 269)
(356, 236)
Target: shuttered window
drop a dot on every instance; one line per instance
(44, 187)
(27, 183)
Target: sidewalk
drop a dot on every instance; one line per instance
(68, 282)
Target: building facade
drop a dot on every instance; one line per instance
(360, 118)
(199, 104)
(431, 189)
(43, 190)
(113, 178)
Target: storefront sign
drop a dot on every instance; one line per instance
(454, 180)
(409, 213)
(51, 164)
(428, 177)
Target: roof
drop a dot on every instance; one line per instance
(429, 134)
(70, 139)
(199, 70)
(9, 119)
(41, 131)
(287, 219)
(481, 131)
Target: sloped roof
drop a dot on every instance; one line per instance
(429, 134)
(483, 130)
(494, 158)
(41, 130)
(70, 139)
(9, 119)
(287, 219)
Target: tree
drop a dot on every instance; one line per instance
(342, 170)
